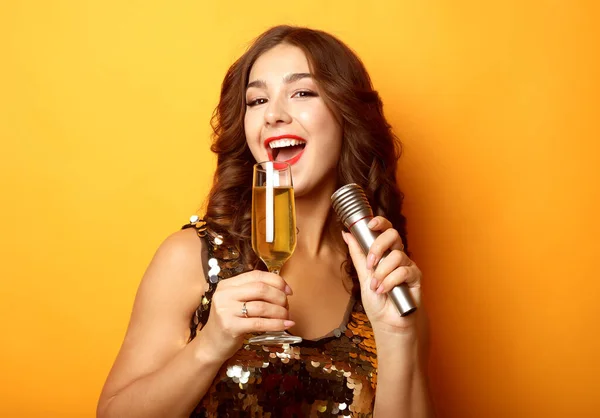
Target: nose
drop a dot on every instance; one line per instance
(276, 113)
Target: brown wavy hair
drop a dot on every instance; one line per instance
(369, 154)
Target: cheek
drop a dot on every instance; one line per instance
(332, 130)
(247, 125)
(305, 117)
(322, 123)
(252, 131)
(314, 119)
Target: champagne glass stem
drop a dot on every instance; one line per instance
(275, 337)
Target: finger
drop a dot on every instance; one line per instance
(357, 256)
(259, 324)
(388, 240)
(264, 310)
(271, 279)
(379, 223)
(392, 261)
(258, 291)
(411, 275)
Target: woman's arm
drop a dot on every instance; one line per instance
(402, 382)
(402, 345)
(156, 373)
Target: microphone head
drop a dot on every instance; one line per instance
(350, 204)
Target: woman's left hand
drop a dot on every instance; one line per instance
(376, 280)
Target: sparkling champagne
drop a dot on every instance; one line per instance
(275, 253)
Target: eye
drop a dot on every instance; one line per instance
(256, 102)
(305, 93)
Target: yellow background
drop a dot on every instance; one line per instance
(104, 123)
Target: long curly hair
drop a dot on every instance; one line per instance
(369, 153)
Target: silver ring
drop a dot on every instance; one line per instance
(244, 310)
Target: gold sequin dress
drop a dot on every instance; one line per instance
(334, 376)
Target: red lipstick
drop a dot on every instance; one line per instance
(292, 160)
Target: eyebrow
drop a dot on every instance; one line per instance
(288, 79)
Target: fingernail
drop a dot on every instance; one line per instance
(380, 290)
(370, 261)
(287, 323)
(374, 284)
(372, 223)
(344, 237)
(288, 290)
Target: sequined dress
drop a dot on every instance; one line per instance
(334, 376)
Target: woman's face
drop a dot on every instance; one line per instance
(287, 120)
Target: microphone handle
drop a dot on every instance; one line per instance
(400, 294)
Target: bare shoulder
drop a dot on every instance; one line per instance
(180, 252)
(174, 280)
(181, 247)
(176, 269)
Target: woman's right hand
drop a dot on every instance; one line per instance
(265, 295)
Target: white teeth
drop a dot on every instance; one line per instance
(281, 143)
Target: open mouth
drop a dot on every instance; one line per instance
(286, 149)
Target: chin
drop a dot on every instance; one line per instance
(300, 188)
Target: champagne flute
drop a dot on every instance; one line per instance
(273, 228)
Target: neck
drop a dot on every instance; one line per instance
(313, 221)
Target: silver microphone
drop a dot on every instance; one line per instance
(354, 211)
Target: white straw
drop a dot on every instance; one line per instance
(270, 204)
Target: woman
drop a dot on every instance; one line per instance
(305, 84)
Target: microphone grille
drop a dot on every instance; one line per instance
(350, 204)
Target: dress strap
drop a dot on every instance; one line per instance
(219, 262)
(202, 312)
